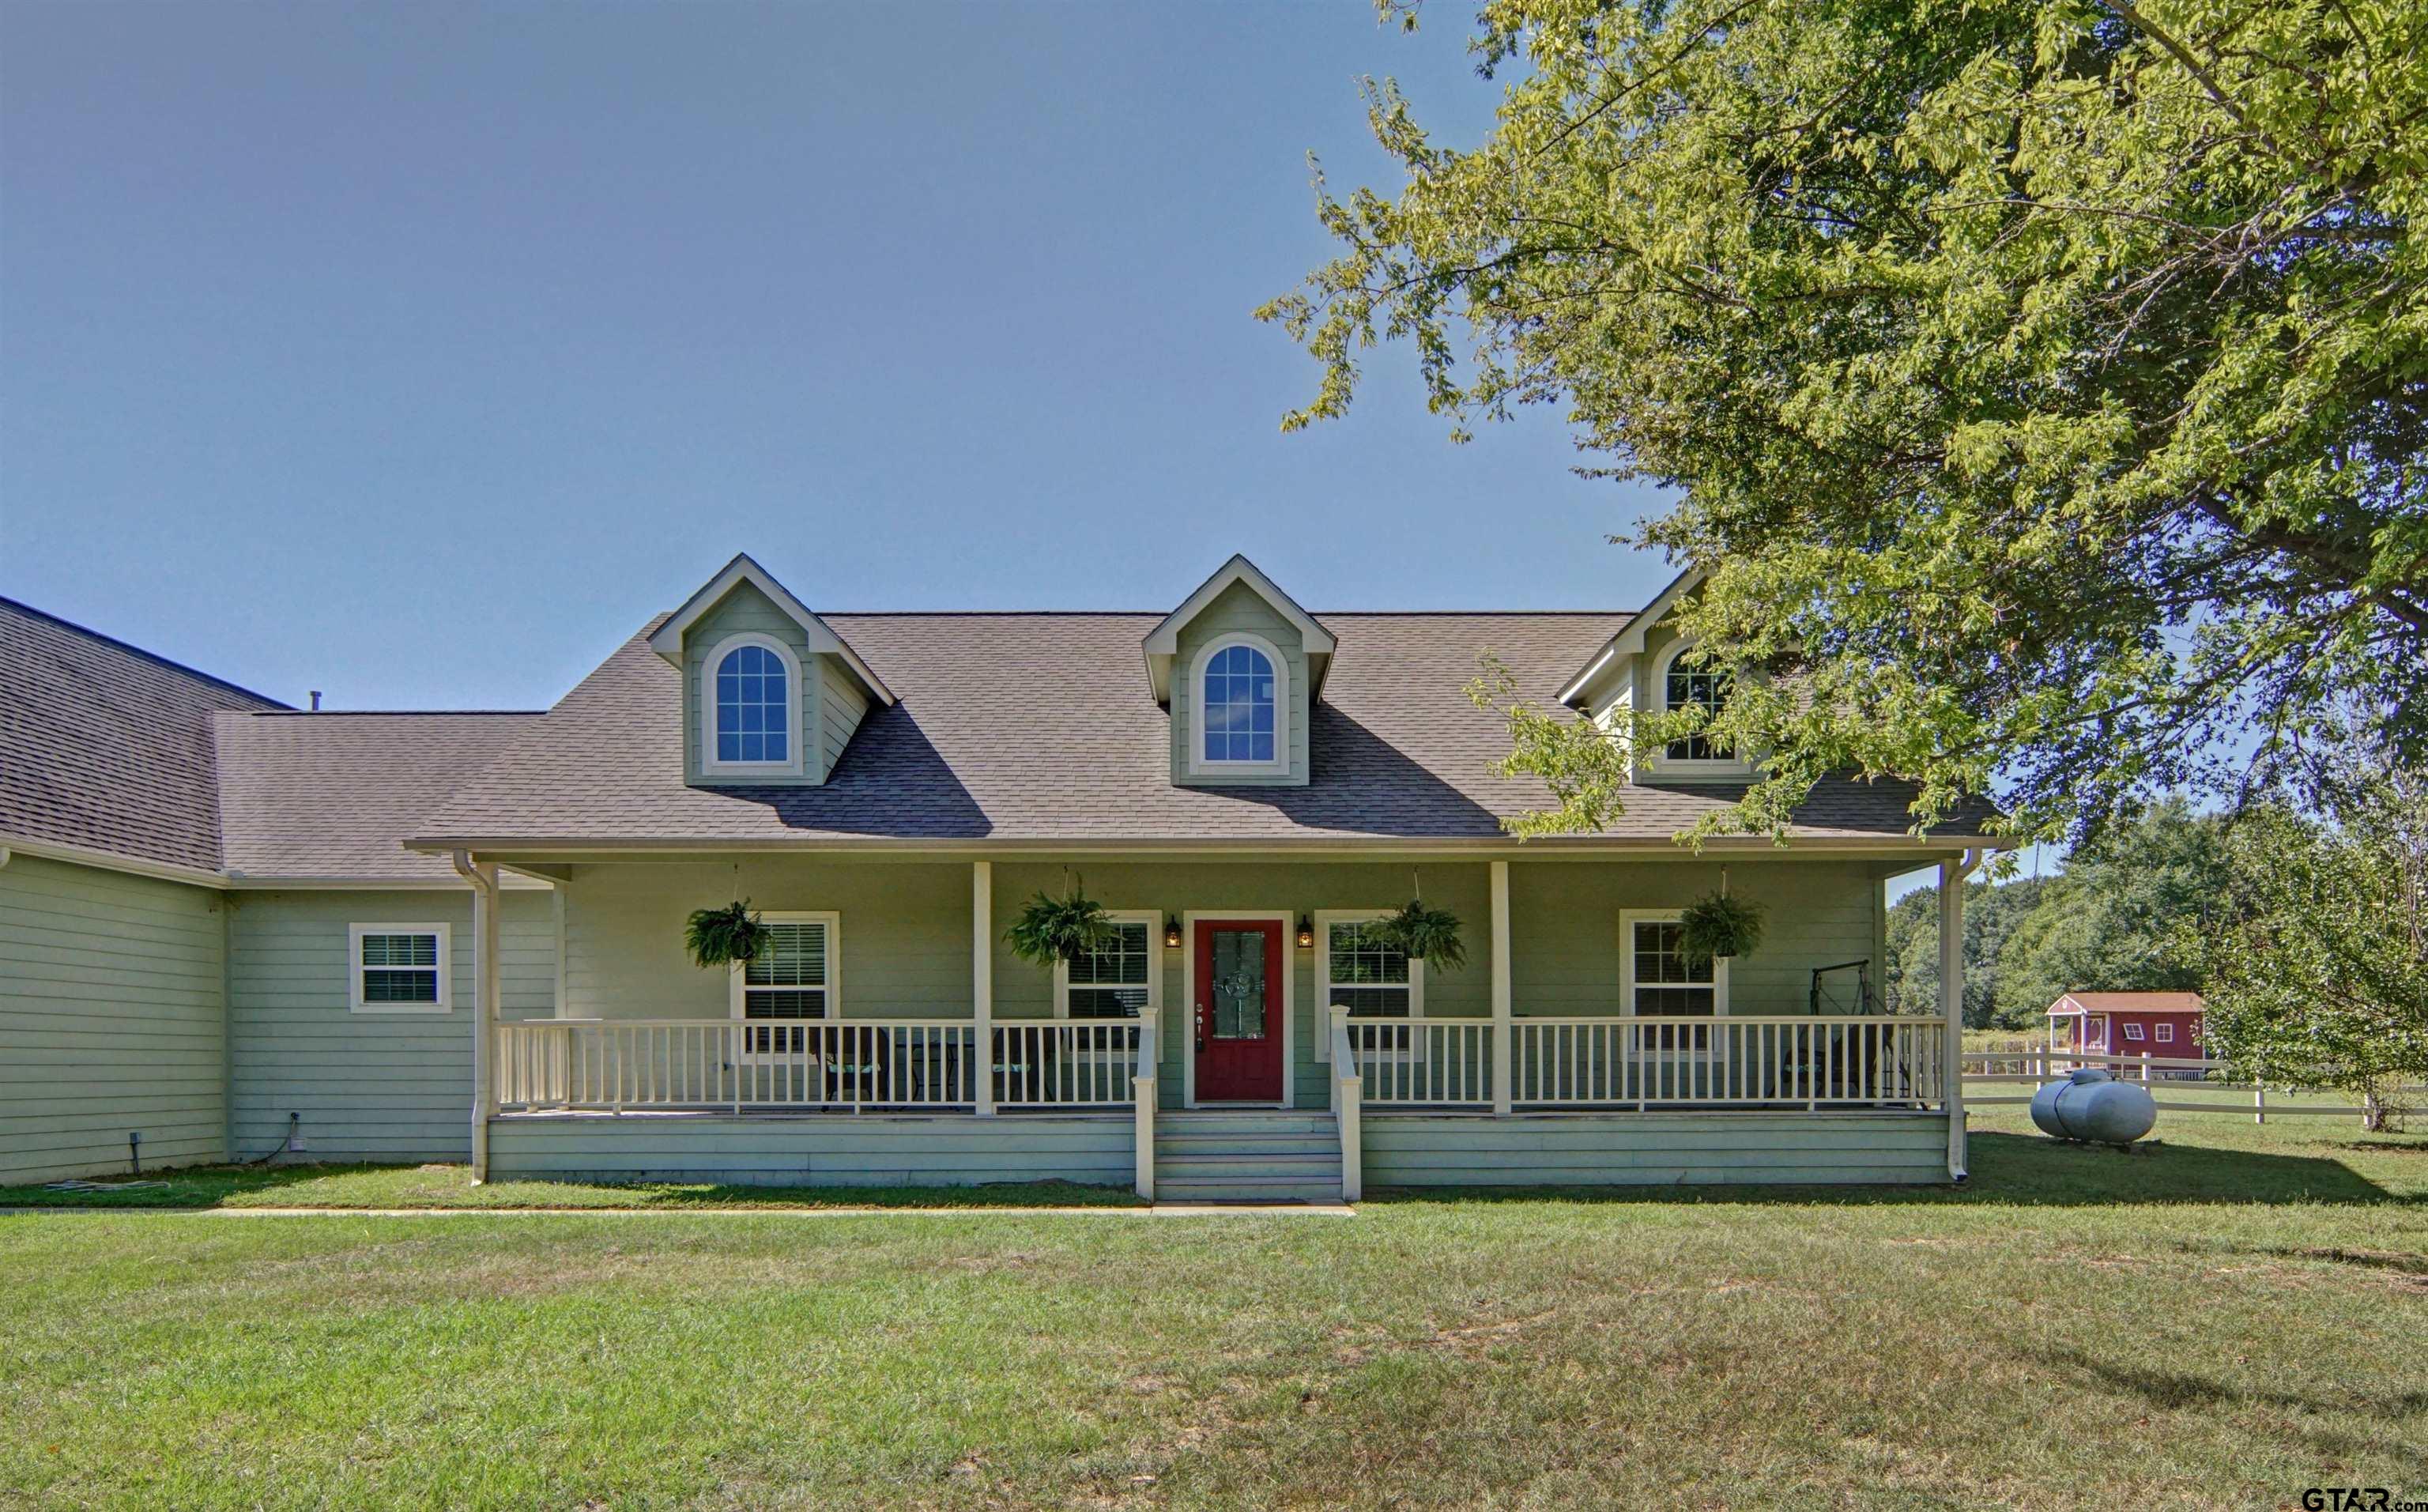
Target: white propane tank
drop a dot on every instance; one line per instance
(2094, 1106)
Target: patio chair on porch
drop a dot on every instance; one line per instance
(1026, 1066)
(859, 1069)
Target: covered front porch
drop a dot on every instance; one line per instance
(915, 1029)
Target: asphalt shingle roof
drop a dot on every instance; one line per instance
(105, 746)
(335, 795)
(1040, 727)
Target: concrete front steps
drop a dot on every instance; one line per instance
(1246, 1154)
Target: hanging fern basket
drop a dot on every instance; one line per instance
(1717, 926)
(1427, 934)
(720, 937)
(1054, 928)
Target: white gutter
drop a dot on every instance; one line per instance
(483, 880)
(111, 861)
(1952, 879)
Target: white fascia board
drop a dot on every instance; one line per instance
(666, 640)
(1163, 642)
(1630, 640)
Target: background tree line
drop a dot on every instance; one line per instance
(2112, 921)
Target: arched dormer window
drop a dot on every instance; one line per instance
(749, 714)
(1243, 707)
(1680, 687)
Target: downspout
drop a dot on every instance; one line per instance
(1952, 879)
(483, 882)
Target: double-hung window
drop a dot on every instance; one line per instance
(399, 968)
(1118, 978)
(1117, 984)
(1658, 981)
(1369, 977)
(792, 981)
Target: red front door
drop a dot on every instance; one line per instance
(1238, 1009)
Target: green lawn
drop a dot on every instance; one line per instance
(2223, 1319)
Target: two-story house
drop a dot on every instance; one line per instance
(252, 930)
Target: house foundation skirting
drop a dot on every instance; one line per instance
(1402, 1149)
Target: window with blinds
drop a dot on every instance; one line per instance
(399, 968)
(791, 979)
(1115, 980)
(1368, 976)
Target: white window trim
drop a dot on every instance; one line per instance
(734, 983)
(1628, 920)
(796, 709)
(2162, 1033)
(354, 934)
(1188, 1025)
(2133, 1032)
(1661, 761)
(1153, 1013)
(1199, 765)
(1324, 920)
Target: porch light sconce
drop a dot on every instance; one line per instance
(1306, 933)
(1170, 932)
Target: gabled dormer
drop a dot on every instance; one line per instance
(1645, 665)
(771, 693)
(1238, 665)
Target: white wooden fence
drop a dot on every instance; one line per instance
(733, 1065)
(1793, 1060)
(2035, 1064)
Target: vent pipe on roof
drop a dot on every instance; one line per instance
(315, 700)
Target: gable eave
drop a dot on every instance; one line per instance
(1628, 639)
(667, 639)
(1162, 643)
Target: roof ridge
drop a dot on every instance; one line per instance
(384, 714)
(132, 649)
(1158, 614)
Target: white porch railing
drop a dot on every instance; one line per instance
(1792, 1060)
(733, 1065)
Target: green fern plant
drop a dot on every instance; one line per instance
(1716, 925)
(1427, 934)
(1054, 928)
(720, 937)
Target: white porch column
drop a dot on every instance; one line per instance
(1501, 1035)
(982, 978)
(1951, 1004)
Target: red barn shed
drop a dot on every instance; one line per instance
(2153, 1023)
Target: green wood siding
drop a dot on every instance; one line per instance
(841, 706)
(369, 1086)
(1564, 921)
(1238, 608)
(903, 941)
(1653, 1149)
(837, 1150)
(745, 609)
(905, 933)
(111, 998)
(1177, 888)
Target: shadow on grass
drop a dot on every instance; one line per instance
(450, 1188)
(2011, 1169)
(2173, 1391)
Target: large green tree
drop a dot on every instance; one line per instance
(2046, 379)
(2317, 957)
(1992, 912)
(2112, 921)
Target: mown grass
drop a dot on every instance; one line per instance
(2226, 1319)
(450, 1187)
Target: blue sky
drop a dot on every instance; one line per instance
(420, 353)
